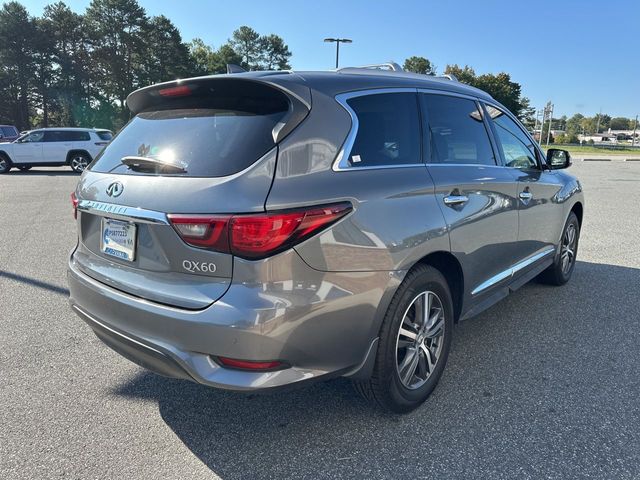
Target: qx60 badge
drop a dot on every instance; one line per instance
(115, 189)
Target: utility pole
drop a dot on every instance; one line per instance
(548, 110)
(598, 123)
(633, 137)
(338, 41)
(535, 127)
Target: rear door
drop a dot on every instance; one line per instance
(540, 218)
(29, 149)
(476, 195)
(55, 146)
(223, 140)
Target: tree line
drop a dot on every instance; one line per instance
(70, 69)
(499, 86)
(507, 92)
(76, 69)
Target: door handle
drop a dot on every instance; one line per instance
(525, 196)
(455, 200)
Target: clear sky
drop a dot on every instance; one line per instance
(582, 55)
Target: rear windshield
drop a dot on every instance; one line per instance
(223, 137)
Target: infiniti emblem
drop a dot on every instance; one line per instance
(115, 189)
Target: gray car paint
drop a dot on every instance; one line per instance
(318, 307)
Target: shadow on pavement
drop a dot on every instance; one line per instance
(35, 282)
(538, 385)
(41, 172)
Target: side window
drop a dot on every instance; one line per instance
(34, 137)
(455, 131)
(75, 136)
(53, 136)
(104, 134)
(80, 136)
(517, 148)
(388, 130)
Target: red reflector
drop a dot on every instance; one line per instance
(254, 236)
(179, 91)
(249, 365)
(74, 202)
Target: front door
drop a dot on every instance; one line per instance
(539, 189)
(29, 149)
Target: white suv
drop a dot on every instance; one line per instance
(75, 147)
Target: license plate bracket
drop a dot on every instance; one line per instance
(118, 239)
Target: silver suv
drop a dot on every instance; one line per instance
(261, 230)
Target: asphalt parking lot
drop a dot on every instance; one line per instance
(544, 385)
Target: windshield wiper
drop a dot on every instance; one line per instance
(147, 164)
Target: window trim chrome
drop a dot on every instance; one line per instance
(122, 212)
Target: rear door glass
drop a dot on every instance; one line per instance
(455, 131)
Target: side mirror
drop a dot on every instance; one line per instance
(557, 159)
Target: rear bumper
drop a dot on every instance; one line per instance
(322, 326)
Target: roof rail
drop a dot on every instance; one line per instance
(448, 76)
(392, 66)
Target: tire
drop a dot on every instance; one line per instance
(25, 168)
(560, 271)
(5, 163)
(386, 388)
(78, 161)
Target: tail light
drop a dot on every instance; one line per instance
(254, 236)
(74, 203)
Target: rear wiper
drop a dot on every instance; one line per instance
(147, 164)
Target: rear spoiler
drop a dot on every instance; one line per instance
(159, 96)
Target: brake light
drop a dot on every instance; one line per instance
(74, 202)
(179, 91)
(254, 236)
(250, 365)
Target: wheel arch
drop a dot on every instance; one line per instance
(578, 209)
(449, 266)
(75, 151)
(6, 155)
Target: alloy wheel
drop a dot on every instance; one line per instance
(79, 163)
(420, 340)
(568, 250)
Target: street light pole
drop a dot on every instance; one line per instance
(338, 41)
(550, 107)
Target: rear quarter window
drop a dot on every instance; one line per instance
(388, 130)
(105, 135)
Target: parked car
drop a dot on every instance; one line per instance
(263, 230)
(8, 133)
(75, 147)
